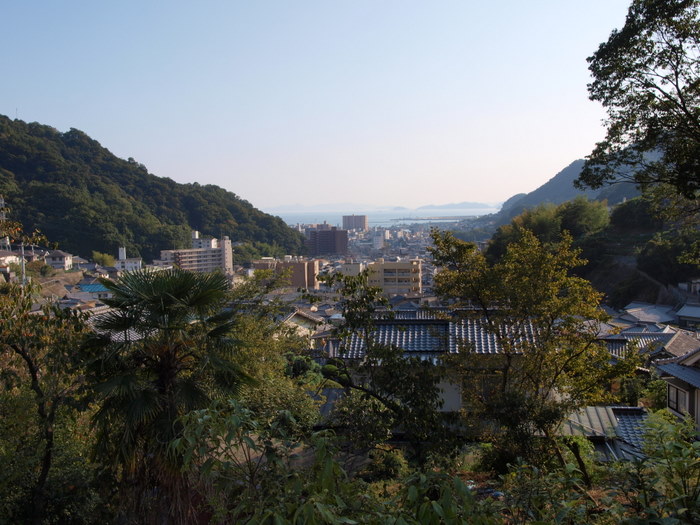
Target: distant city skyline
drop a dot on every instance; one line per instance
(400, 103)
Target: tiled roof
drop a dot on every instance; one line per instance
(649, 313)
(649, 328)
(630, 424)
(682, 344)
(415, 314)
(603, 422)
(429, 336)
(649, 342)
(689, 374)
(617, 346)
(413, 336)
(302, 313)
(671, 341)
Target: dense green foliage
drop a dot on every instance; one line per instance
(546, 322)
(647, 77)
(42, 378)
(176, 444)
(579, 217)
(163, 350)
(632, 252)
(103, 259)
(85, 198)
(391, 391)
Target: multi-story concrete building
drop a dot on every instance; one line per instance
(397, 277)
(327, 242)
(379, 238)
(355, 222)
(302, 273)
(127, 264)
(206, 255)
(352, 268)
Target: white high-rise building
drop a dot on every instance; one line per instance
(206, 255)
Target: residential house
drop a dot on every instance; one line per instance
(8, 257)
(59, 260)
(427, 338)
(682, 375)
(689, 316)
(303, 322)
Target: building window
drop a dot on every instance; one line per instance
(677, 399)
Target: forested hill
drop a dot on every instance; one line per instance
(85, 198)
(560, 188)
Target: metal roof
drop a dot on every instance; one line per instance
(93, 288)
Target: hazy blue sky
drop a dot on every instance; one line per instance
(380, 102)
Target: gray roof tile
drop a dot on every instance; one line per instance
(429, 337)
(689, 374)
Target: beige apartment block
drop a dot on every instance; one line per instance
(206, 255)
(352, 269)
(302, 273)
(396, 277)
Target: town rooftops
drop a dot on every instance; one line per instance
(653, 341)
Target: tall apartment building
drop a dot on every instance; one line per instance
(355, 222)
(397, 277)
(206, 255)
(327, 242)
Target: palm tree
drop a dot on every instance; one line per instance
(163, 350)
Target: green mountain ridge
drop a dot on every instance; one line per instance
(82, 196)
(559, 189)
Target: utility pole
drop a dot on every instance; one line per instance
(24, 273)
(4, 241)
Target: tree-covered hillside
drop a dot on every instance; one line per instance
(83, 197)
(559, 189)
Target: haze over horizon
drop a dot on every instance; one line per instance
(402, 103)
